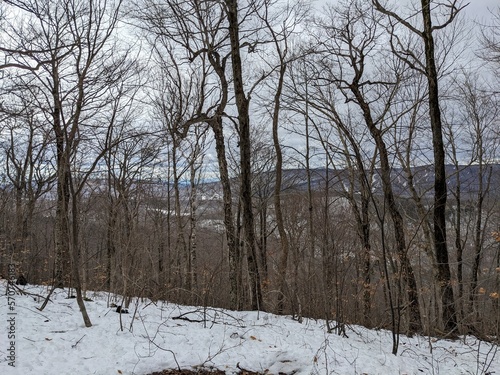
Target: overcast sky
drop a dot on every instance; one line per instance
(482, 8)
(475, 9)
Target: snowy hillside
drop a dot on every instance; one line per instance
(161, 335)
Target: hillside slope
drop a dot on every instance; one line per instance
(161, 335)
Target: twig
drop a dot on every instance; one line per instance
(133, 316)
(151, 340)
(167, 350)
(22, 291)
(45, 316)
(74, 346)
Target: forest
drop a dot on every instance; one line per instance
(334, 160)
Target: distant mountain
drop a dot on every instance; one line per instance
(338, 180)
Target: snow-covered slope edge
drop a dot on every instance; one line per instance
(55, 341)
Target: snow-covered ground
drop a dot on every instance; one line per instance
(55, 341)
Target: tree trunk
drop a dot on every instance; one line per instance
(478, 232)
(262, 240)
(232, 243)
(181, 254)
(75, 259)
(415, 323)
(283, 265)
(440, 188)
(193, 275)
(242, 104)
(62, 202)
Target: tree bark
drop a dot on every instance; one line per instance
(75, 257)
(415, 324)
(63, 194)
(232, 243)
(282, 269)
(440, 188)
(192, 271)
(242, 104)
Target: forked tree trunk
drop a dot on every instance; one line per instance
(242, 104)
(415, 323)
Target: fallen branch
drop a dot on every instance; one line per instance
(22, 291)
(183, 317)
(47, 299)
(208, 318)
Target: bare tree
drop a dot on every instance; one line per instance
(199, 29)
(353, 33)
(322, 113)
(478, 108)
(131, 155)
(195, 157)
(242, 100)
(490, 38)
(27, 152)
(428, 68)
(280, 24)
(80, 75)
(411, 149)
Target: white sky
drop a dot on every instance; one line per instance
(476, 8)
(481, 8)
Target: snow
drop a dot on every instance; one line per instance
(162, 335)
